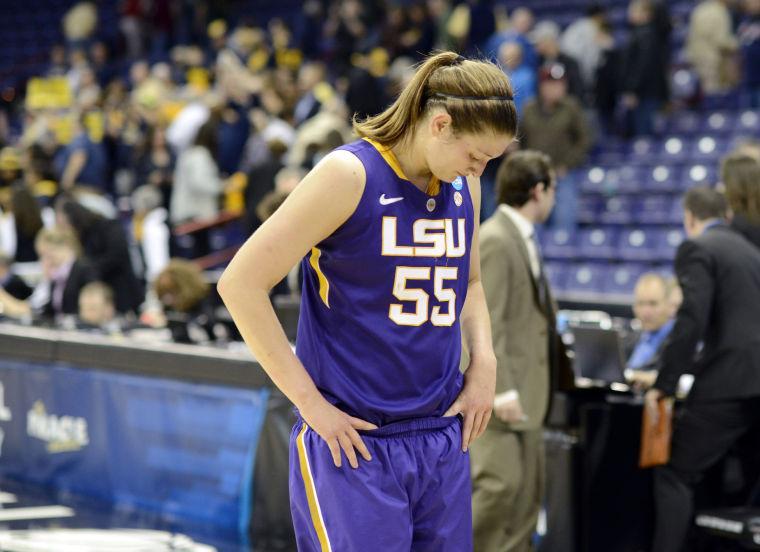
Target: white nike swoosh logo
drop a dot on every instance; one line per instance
(388, 200)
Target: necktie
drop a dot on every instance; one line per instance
(541, 283)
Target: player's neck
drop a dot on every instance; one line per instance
(410, 155)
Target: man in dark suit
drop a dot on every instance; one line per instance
(508, 460)
(63, 276)
(719, 273)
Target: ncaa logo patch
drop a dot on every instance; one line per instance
(457, 183)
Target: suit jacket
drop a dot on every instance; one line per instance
(106, 248)
(81, 274)
(719, 274)
(747, 228)
(521, 321)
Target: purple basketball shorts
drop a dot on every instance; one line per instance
(415, 493)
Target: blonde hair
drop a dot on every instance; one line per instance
(57, 237)
(740, 174)
(476, 94)
(184, 280)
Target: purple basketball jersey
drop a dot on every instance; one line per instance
(379, 328)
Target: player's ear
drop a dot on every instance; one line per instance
(440, 124)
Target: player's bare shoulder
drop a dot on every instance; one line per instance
(341, 172)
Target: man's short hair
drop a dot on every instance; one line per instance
(705, 203)
(519, 173)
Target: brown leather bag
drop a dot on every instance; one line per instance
(655, 437)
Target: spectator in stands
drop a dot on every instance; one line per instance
(719, 273)
(20, 222)
(711, 46)
(155, 163)
(101, 64)
(507, 461)
(184, 295)
(581, 41)
(151, 230)
(197, 186)
(366, 92)
(644, 85)
(58, 66)
(310, 77)
(606, 87)
(554, 123)
(97, 310)
(748, 35)
(12, 283)
(740, 175)
(523, 76)
(106, 249)
(10, 166)
(654, 313)
(546, 38)
(83, 161)
(261, 181)
(520, 25)
(63, 276)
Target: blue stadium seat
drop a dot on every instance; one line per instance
(720, 122)
(699, 175)
(642, 149)
(662, 178)
(707, 149)
(668, 241)
(621, 279)
(639, 244)
(598, 243)
(654, 209)
(559, 244)
(598, 180)
(588, 208)
(676, 212)
(556, 273)
(617, 210)
(684, 123)
(749, 121)
(585, 278)
(673, 150)
(631, 179)
(684, 83)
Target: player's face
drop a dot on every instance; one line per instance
(466, 154)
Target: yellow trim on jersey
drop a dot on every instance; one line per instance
(311, 492)
(433, 187)
(324, 284)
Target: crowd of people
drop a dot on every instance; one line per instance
(157, 125)
(123, 144)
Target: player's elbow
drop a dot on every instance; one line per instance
(238, 279)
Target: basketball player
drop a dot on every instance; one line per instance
(386, 227)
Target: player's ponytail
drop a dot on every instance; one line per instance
(477, 95)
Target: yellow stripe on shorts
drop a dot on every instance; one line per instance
(311, 492)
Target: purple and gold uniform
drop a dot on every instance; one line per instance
(379, 334)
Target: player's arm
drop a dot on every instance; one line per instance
(475, 402)
(325, 199)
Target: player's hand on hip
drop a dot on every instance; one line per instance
(475, 402)
(339, 431)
